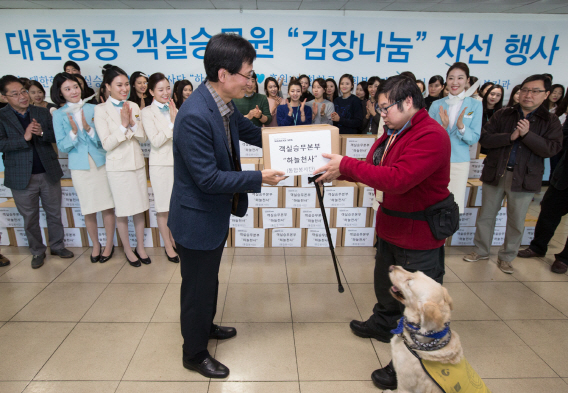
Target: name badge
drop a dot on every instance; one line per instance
(469, 115)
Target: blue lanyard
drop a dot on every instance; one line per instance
(295, 117)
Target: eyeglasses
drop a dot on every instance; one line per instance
(249, 77)
(21, 93)
(532, 91)
(385, 110)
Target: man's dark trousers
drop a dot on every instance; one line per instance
(388, 310)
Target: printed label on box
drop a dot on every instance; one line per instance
(288, 182)
(69, 197)
(478, 196)
(338, 196)
(10, 218)
(4, 237)
(501, 220)
(248, 167)
(305, 183)
(368, 196)
(312, 218)
(358, 147)
(277, 218)
(475, 168)
(148, 238)
(267, 197)
(359, 237)
(374, 222)
(22, 239)
(64, 164)
(299, 153)
(103, 238)
(249, 151)
(318, 237)
(528, 236)
(153, 214)
(5, 192)
(72, 237)
(463, 237)
(43, 218)
(151, 196)
(498, 236)
(473, 151)
(249, 237)
(351, 217)
(79, 219)
(146, 148)
(243, 222)
(466, 198)
(468, 217)
(300, 197)
(288, 237)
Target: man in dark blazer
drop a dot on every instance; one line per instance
(32, 170)
(208, 186)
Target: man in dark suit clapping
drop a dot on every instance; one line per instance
(32, 170)
(208, 186)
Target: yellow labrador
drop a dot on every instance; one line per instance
(424, 340)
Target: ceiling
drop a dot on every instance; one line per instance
(475, 6)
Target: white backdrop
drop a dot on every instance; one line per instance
(318, 43)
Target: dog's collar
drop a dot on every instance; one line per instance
(413, 330)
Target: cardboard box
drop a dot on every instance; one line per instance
(366, 195)
(303, 182)
(300, 197)
(69, 197)
(250, 151)
(64, 164)
(528, 236)
(277, 218)
(312, 218)
(358, 237)
(103, 238)
(475, 168)
(5, 192)
(12, 237)
(318, 237)
(250, 237)
(250, 220)
(286, 237)
(267, 197)
(301, 151)
(343, 194)
(250, 164)
(148, 237)
(21, 239)
(372, 223)
(73, 237)
(4, 237)
(464, 237)
(351, 217)
(477, 193)
(469, 217)
(229, 241)
(43, 218)
(10, 217)
(358, 145)
(474, 151)
(467, 195)
(79, 219)
(290, 181)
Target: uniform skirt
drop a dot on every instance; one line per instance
(162, 178)
(92, 188)
(459, 173)
(129, 192)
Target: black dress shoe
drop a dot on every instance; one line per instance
(96, 258)
(209, 368)
(104, 259)
(37, 261)
(145, 261)
(174, 259)
(362, 330)
(222, 332)
(63, 253)
(385, 378)
(4, 261)
(134, 264)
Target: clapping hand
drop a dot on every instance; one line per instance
(459, 122)
(335, 116)
(173, 110)
(72, 123)
(125, 115)
(444, 117)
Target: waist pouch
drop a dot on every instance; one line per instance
(442, 217)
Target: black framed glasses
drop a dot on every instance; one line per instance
(385, 110)
(16, 95)
(249, 77)
(524, 90)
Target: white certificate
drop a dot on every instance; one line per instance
(299, 153)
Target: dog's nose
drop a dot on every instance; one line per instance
(391, 268)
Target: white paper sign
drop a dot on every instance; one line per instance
(288, 237)
(277, 218)
(148, 239)
(318, 237)
(146, 148)
(359, 237)
(151, 196)
(4, 238)
(248, 167)
(22, 239)
(339, 196)
(5, 192)
(304, 182)
(368, 196)
(498, 236)
(501, 220)
(528, 236)
(478, 196)
(43, 218)
(72, 237)
(351, 217)
(475, 168)
(267, 197)
(290, 181)
(473, 151)
(243, 222)
(249, 151)
(299, 153)
(103, 238)
(64, 164)
(10, 218)
(468, 217)
(249, 237)
(467, 192)
(69, 197)
(463, 237)
(358, 147)
(79, 219)
(153, 214)
(300, 197)
(312, 218)
(374, 222)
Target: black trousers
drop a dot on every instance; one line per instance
(554, 205)
(199, 291)
(388, 310)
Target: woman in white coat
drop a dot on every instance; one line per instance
(158, 120)
(120, 130)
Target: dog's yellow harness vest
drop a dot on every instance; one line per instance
(455, 378)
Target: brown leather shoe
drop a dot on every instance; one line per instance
(559, 267)
(528, 253)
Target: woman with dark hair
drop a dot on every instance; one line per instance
(305, 83)
(87, 91)
(182, 92)
(321, 108)
(119, 127)
(103, 93)
(176, 84)
(472, 81)
(461, 116)
(362, 91)
(373, 122)
(492, 102)
(254, 106)
(554, 99)
(37, 96)
(348, 115)
(435, 89)
(446, 90)
(483, 89)
(331, 91)
(71, 67)
(272, 92)
(296, 112)
(514, 97)
(139, 90)
(158, 120)
(75, 134)
(421, 86)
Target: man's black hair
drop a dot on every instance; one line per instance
(228, 51)
(399, 88)
(6, 80)
(539, 77)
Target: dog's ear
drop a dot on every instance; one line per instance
(448, 298)
(431, 316)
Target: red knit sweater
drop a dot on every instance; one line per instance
(415, 175)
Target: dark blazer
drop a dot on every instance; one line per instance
(205, 179)
(18, 153)
(559, 178)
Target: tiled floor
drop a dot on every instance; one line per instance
(74, 327)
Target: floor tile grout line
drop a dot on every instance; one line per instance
(226, 292)
(134, 353)
(292, 322)
(16, 264)
(547, 302)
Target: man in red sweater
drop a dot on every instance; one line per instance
(410, 164)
